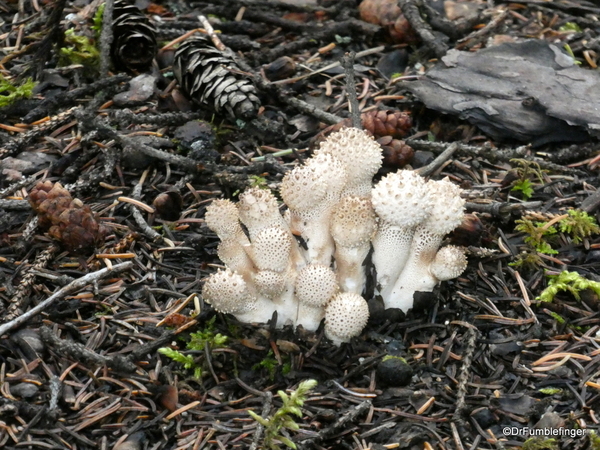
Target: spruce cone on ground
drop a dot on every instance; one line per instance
(389, 122)
(211, 78)
(387, 14)
(134, 38)
(388, 126)
(68, 220)
(396, 153)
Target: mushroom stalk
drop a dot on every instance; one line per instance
(416, 276)
(446, 214)
(402, 201)
(391, 248)
(352, 226)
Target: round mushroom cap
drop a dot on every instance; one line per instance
(449, 263)
(222, 217)
(301, 189)
(269, 283)
(353, 222)
(228, 293)
(258, 209)
(315, 285)
(402, 199)
(271, 249)
(345, 317)
(360, 154)
(330, 171)
(448, 207)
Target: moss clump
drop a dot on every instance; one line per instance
(567, 281)
(79, 50)
(578, 224)
(283, 417)
(537, 233)
(9, 93)
(594, 440)
(198, 342)
(527, 260)
(540, 444)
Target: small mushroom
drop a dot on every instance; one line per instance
(345, 317)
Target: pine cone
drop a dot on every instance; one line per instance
(68, 220)
(387, 14)
(134, 38)
(389, 122)
(396, 153)
(211, 78)
(380, 123)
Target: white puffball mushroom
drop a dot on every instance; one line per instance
(271, 249)
(311, 191)
(229, 293)
(353, 224)
(346, 315)
(449, 263)
(402, 201)
(222, 217)
(269, 283)
(447, 213)
(258, 210)
(271, 252)
(315, 285)
(360, 154)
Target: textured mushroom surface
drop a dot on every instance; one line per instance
(345, 317)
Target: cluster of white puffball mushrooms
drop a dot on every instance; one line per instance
(333, 205)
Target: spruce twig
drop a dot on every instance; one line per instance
(106, 37)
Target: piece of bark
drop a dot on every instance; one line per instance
(531, 91)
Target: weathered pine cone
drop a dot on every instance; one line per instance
(68, 220)
(396, 153)
(379, 123)
(134, 38)
(211, 78)
(387, 14)
(389, 122)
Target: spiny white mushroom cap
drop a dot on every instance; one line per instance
(402, 198)
(301, 188)
(345, 317)
(222, 217)
(360, 155)
(353, 222)
(228, 293)
(332, 172)
(308, 188)
(269, 283)
(448, 207)
(258, 209)
(449, 263)
(271, 249)
(315, 285)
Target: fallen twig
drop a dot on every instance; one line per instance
(349, 416)
(84, 355)
(68, 289)
(439, 161)
(410, 9)
(24, 289)
(348, 63)
(106, 37)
